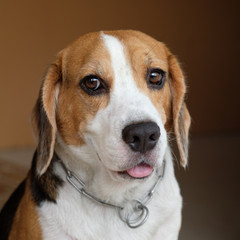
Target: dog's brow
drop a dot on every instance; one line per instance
(156, 62)
(91, 67)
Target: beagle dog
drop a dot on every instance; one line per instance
(105, 115)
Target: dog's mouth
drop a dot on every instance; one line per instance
(142, 170)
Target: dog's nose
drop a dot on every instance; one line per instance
(141, 137)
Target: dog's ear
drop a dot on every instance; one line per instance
(43, 116)
(181, 117)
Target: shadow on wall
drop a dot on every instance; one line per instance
(210, 189)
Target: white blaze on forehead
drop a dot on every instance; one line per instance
(120, 65)
(126, 98)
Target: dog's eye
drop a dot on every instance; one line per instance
(156, 78)
(93, 85)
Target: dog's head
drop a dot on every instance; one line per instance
(113, 98)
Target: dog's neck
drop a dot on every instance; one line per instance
(134, 212)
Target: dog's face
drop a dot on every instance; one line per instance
(117, 95)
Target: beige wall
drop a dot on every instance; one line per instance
(203, 34)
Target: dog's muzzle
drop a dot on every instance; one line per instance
(142, 138)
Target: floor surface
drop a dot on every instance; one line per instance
(209, 185)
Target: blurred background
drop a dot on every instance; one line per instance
(205, 37)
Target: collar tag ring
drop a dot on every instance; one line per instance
(143, 213)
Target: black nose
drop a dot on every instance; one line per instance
(141, 137)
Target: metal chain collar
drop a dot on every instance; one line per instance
(140, 212)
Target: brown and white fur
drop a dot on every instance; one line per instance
(83, 129)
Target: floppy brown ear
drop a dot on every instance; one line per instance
(181, 117)
(43, 117)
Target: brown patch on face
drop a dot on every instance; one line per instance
(75, 108)
(26, 224)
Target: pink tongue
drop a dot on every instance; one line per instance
(140, 171)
